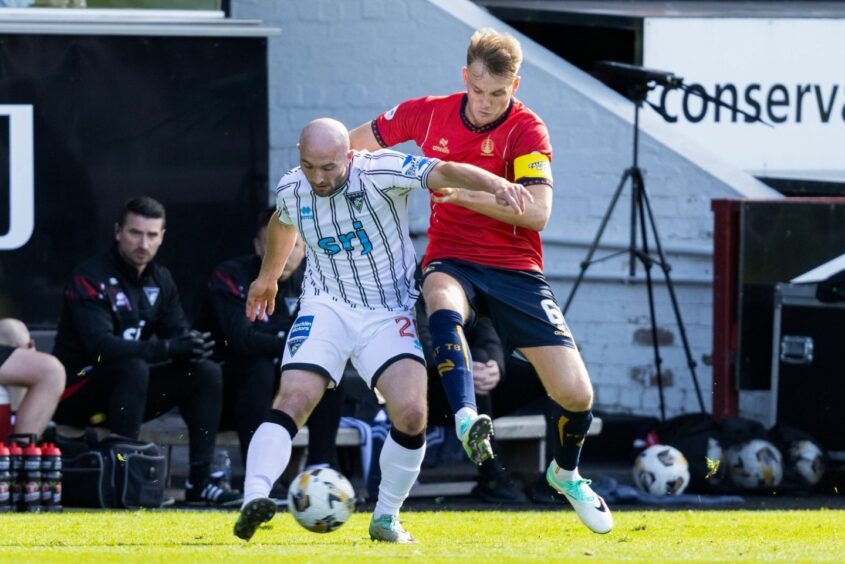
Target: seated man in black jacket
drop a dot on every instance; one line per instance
(129, 352)
(250, 351)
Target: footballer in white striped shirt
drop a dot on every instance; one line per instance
(351, 210)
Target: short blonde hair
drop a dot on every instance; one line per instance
(500, 53)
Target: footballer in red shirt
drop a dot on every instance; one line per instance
(514, 146)
(486, 259)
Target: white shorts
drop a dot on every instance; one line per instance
(327, 334)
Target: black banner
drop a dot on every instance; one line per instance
(181, 119)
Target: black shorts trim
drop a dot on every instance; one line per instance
(390, 361)
(567, 342)
(310, 368)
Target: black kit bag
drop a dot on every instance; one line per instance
(689, 433)
(737, 430)
(117, 472)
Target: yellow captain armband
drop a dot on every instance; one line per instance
(534, 165)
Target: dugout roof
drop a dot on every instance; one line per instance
(630, 14)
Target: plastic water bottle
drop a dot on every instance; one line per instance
(5, 480)
(16, 471)
(31, 502)
(221, 469)
(51, 476)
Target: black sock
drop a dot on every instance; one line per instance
(281, 418)
(198, 473)
(490, 470)
(571, 430)
(410, 442)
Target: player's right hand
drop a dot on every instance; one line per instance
(514, 195)
(261, 299)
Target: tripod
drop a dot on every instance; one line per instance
(642, 219)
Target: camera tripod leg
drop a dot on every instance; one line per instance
(647, 261)
(640, 213)
(664, 265)
(585, 264)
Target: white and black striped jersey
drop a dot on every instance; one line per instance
(358, 249)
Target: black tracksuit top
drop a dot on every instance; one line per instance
(110, 312)
(223, 312)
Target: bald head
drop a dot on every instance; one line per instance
(13, 333)
(324, 135)
(324, 154)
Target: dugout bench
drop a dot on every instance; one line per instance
(521, 441)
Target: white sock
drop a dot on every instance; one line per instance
(267, 457)
(400, 467)
(566, 475)
(460, 415)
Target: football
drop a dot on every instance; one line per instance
(321, 500)
(755, 464)
(806, 461)
(661, 470)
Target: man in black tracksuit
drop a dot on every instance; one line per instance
(129, 352)
(250, 351)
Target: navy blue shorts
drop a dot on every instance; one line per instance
(5, 353)
(520, 302)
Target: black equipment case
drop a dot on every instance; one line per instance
(808, 365)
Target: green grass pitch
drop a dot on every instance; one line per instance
(490, 536)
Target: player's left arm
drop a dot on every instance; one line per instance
(446, 175)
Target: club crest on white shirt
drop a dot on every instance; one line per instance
(357, 200)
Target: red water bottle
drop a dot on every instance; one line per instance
(5, 480)
(51, 476)
(16, 471)
(31, 502)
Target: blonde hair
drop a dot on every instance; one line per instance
(500, 53)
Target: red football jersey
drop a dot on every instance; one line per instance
(439, 126)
